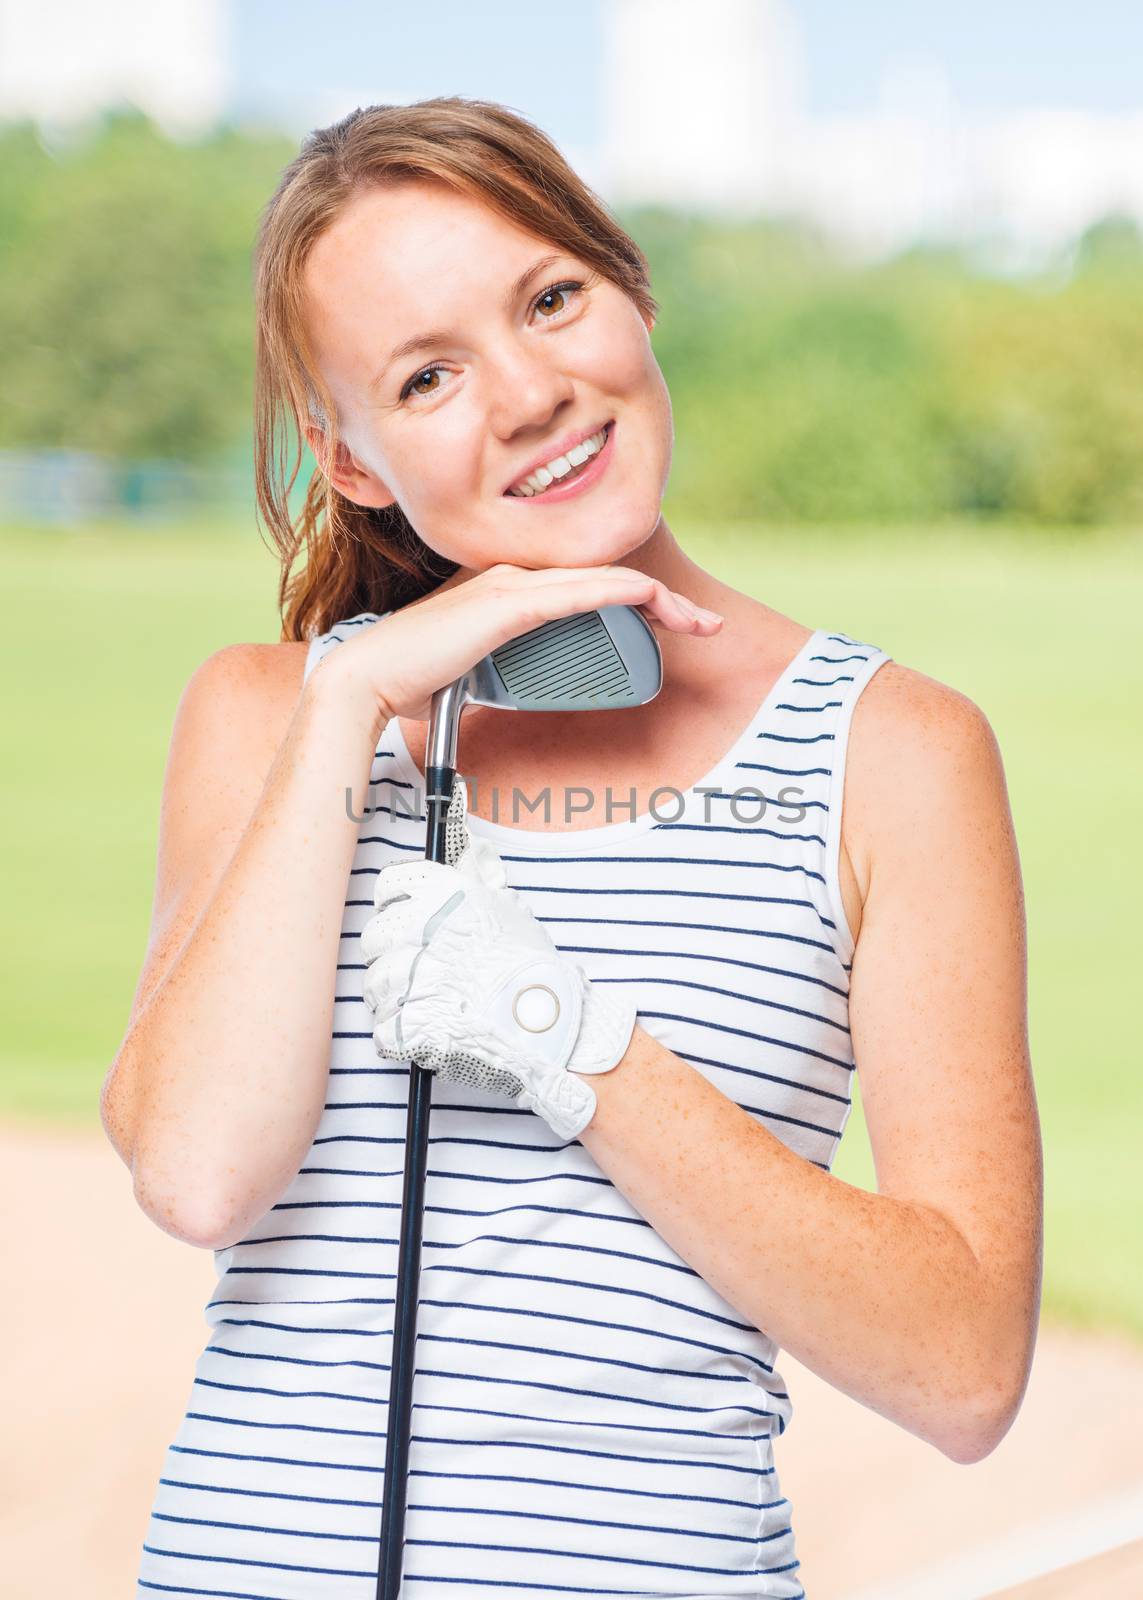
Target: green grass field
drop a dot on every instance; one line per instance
(103, 628)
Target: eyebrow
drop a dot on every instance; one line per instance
(425, 341)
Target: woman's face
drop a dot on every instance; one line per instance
(512, 371)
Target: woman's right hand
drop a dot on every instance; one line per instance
(398, 663)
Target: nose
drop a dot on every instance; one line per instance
(525, 385)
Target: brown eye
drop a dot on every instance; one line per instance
(428, 372)
(558, 295)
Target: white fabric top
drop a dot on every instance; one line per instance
(589, 1415)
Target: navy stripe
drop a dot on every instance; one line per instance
(477, 1477)
(656, 1461)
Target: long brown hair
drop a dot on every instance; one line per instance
(359, 558)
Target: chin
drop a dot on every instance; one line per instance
(586, 547)
(604, 534)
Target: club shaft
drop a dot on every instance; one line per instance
(438, 793)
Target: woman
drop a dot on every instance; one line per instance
(463, 333)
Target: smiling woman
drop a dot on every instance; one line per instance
(359, 246)
(831, 887)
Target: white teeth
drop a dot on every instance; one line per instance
(536, 482)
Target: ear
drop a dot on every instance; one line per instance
(347, 475)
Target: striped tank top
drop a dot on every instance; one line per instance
(589, 1416)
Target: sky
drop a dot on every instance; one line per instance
(325, 58)
(998, 55)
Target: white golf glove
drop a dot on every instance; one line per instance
(462, 979)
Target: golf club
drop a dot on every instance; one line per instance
(591, 661)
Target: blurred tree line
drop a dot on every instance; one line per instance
(804, 387)
(125, 304)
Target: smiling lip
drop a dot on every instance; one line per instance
(589, 474)
(568, 442)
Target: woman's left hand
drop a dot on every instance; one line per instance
(463, 980)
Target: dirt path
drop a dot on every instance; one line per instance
(105, 1324)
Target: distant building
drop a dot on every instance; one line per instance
(704, 107)
(63, 61)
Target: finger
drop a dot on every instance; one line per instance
(400, 880)
(385, 1040)
(586, 589)
(382, 985)
(395, 934)
(397, 931)
(679, 612)
(402, 877)
(375, 939)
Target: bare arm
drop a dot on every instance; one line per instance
(920, 1301)
(218, 1085)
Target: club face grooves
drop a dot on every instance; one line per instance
(573, 658)
(593, 660)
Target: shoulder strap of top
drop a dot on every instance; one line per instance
(848, 665)
(322, 643)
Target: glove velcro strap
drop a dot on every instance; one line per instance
(536, 1009)
(606, 1026)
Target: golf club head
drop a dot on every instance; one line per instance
(591, 661)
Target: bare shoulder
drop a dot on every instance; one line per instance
(229, 725)
(232, 716)
(251, 676)
(901, 703)
(917, 748)
(231, 719)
